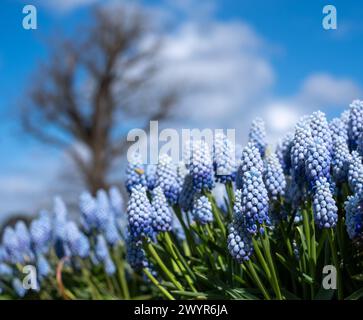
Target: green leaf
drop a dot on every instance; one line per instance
(241, 294)
(355, 295)
(307, 278)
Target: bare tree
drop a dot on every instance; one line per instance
(94, 87)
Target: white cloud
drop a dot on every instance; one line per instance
(323, 88)
(223, 66)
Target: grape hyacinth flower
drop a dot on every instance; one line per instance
(111, 232)
(60, 218)
(324, 207)
(110, 267)
(135, 172)
(338, 130)
(283, 152)
(187, 194)
(202, 210)
(340, 159)
(5, 270)
(103, 255)
(136, 256)
(360, 145)
(151, 176)
(355, 173)
(239, 242)
(18, 287)
(103, 209)
(251, 158)
(254, 202)
(224, 159)
(257, 135)
(11, 245)
(116, 202)
(139, 212)
(201, 166)
(318, 161)
(344, 117)
(274, 178)
(105, 218)
(76, 241)
(181, 173)
(355, 124)
(43, 266)
(24, 240)
(299, 150)
(162, 217)
(41, 232)
(354, 216)
(320, 129)
(166, 178)
(88, 207)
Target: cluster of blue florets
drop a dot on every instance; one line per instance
(257, 135)
(167, 178)
(312, 165)
(100, 229)
(324, 206)
(274, 177)
(251, 158)
(224, 159)
(201, 166)
(162, 219)
(202, 210)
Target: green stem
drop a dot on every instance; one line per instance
(172, 250)
(122, 276)
(256, 278)
(157, 284)
(158, 260)
(331, 238)
(267, 249)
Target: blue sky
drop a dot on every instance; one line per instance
(253, 57)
